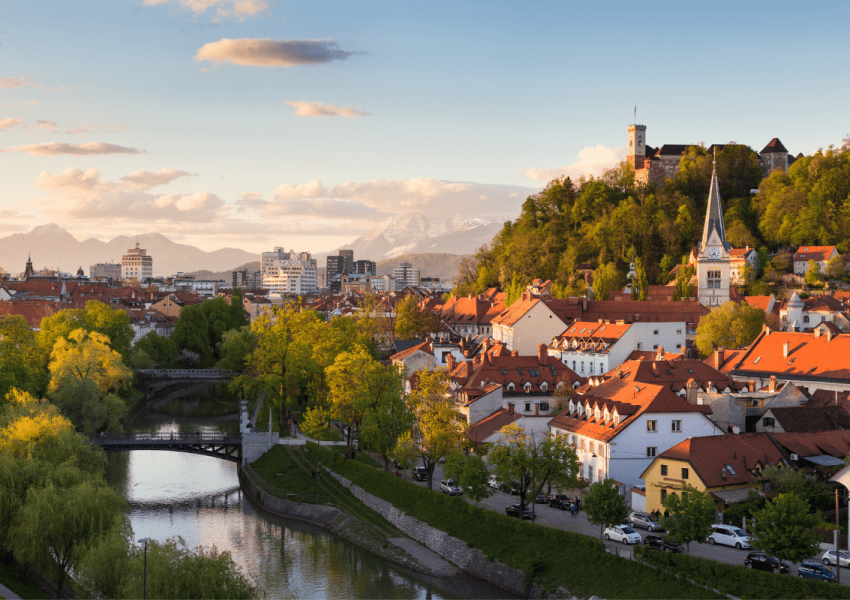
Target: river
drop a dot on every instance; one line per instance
(198, 498)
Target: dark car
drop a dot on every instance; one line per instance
(541, 499)
(661, 543)
(420, 474)
(513, 511)
(812, 570)
(763, 562)
(561, 501)
(511, 487)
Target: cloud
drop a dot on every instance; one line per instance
(87, 149)
(75, 182)
(145, 180)
(319, 109)
(593, 160)
(79, 128)
(85, 128)
(42, 124)
(16, 82)
(224, 9)
(271, 53)
(311, 189)
(9, 123)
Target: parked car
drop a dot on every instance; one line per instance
(494, 482)
(729, 535)
(622, 533)
(809, 569)
(644, 521)
(659, 542)
(420, 474)
(763, 562)
(510, 488)
(513, 511)
(829, 558)
(448, 486)
(561, 501)
(541, 499)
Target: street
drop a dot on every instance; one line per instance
(562, 519)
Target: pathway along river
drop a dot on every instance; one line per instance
(198, 498)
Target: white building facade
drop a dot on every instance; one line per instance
(288, 272)
(137, 264)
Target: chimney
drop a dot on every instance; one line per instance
(660, 355)
(772, 384)
(691, 391)
(817, 332)
(584, 304)
(514, 353)
(828, 335)
(752, 385)
(786, 349)
(450, 362)
(723, 473)
(542, 355)
(485, 345)
(719, 355)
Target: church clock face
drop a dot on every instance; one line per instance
(714, 253)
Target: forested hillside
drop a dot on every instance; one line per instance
(601, 221)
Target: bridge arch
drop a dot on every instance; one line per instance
(217, 445)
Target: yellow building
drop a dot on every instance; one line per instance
(725, 466)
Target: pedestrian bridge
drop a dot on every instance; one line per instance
(216, 445)
(188, 373)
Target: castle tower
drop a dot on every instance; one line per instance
(637, 146)
(713, 258)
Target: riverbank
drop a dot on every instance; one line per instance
(396, 549)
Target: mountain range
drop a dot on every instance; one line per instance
(51, 246)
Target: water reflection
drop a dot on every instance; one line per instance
(199, 499)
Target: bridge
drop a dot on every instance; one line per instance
(216, 445)
(155, 379)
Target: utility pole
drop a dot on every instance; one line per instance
(837, 549)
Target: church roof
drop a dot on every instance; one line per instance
(774, 146)
(714, 215)
(672, 149)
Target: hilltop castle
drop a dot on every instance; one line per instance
(656, 164)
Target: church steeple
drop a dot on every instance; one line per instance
(29, 271)
(714, 216)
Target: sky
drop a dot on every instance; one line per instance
(262, 123)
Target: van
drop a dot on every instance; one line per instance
(729, 535)
(420, 474)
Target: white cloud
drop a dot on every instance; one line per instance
(592, 160)
(145, 180)
(79, 128)
(271, 53)
(42, 124)
(319, 109)
(9, 123)
(87, 149)
(16, 82)
(311, 189)
(224, 9)
(75, 183)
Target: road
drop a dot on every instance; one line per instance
(553, 517)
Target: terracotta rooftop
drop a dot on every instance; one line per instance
(774, 146)
(797, 419)
(818, 253)
(490, 425)
(806, 357)
(672, 374)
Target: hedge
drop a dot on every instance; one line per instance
(548, 556)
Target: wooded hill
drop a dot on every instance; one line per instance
(602, 220)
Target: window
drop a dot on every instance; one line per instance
(652, 425)
(599, 475)
(677, 426)
(503, 372)
(650, 451)
(527, 406)
(655, 346)
(731, 470)
(591, 366)
(678, 332)
(574, 365)
(582, 366)
(684, 473)
(655, 332)
(664, 470)
(638, 346)
(534, 372)
(520, 371)
(663, 495)
(544, 406)
(806, 319)
(581, 445)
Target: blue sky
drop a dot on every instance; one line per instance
(257, 123)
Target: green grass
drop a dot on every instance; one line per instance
(360, 457)
(551, 557)
(263, 417)
(10, 576)
(739, 581)
(295, 465)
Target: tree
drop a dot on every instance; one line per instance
(604, 505)
(191, 332)
(470, 473)
(641, 280)
(813, 275)
(439, 427)
(18, 356)
(514, 290)
(682, 289)
(690, 516)
(405, 451)
(730, 325)
(785, 528)
(412, 321)
(160, 349)
(98, 317)
(235, 349)
(87, 355)
(605, 279)
(238, 316)
(86, 405)
(836, 268)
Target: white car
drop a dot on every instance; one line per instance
(622, 533)
(730, 535)
(450, 487)
(829, 558)
(494, 482)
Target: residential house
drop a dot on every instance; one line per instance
(620, 428)
(489, 429)
(796, 314)
(525, 324)
(819, 254)
(738, 257)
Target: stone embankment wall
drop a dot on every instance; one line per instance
(471, 560)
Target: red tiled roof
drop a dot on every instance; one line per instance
(818, 253)
(424, 347)
(515, 311)
(761, 302)
(672, 374)
(797, 419)
(33, 310)
(809, 357)
(490, 425)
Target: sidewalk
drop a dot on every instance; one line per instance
(7, 593)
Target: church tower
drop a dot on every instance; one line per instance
(637, 146)
(28, 270)
(713, 258)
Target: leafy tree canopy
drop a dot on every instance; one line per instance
(730, 325)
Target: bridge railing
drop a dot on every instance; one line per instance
(160, 437)
(189, 373)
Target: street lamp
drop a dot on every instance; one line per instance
(145, 584)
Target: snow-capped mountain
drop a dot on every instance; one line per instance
(414, 233)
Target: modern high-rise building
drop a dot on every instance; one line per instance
(246, 279)
(405, 274)
(340, 264)
(365, 267)
(288, 272)
(137, 264)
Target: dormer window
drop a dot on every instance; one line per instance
(527, 386)
(597, 413)
(572, 407)
(511, 386)
(543, 387)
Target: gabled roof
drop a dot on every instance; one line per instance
(816, 253)
(486, 427)
(831, 443)
(516, 311)
(629, 401)
(762, 302)
(710, 455)
(632, 311)
(423, 347)
(672, 150)
(798, 419)
(672, 374)
(774, 146)
(810, 358)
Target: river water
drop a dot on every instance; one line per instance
(198, 498)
